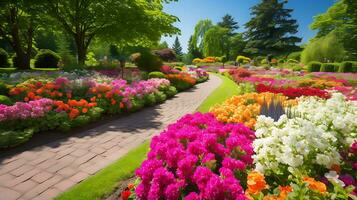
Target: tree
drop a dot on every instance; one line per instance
(216, 41)
(177, 47)
(18, 22)
(201, 28)
(193, 50)
(324, 49)
(271, 29)
(229, 23)
(134, 21)
(350, 36)
(236, 46)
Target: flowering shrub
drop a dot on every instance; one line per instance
(292, 92)
(181, 81)
(309, 142)
(196, 158)
(246, 108)
(319, 83)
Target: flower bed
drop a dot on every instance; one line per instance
(66, 100)
(304, 145)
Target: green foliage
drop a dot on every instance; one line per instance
(46, 59)
(176, 47)
(314, 66)
(5, 100)
(236, 45)
(242, 60)
(147, 61)
(196, 41)
(90, 60)
(295, 55)
(13, 138)
(160, 97)
(271, 29)
(215, 41)
(156, 75)
(324, 49)
(229, 23)
(345, 67)
(328, 67)
(170, 91)
(4, 89)
(4, 59)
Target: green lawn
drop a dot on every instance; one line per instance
(227, 89)
(106, 180)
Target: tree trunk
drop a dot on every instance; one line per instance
(81, 49)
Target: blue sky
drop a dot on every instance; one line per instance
(191, 11)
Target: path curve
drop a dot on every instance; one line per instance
(48, 170)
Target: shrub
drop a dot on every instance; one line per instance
(292, 61)
(4, 89)
(12, 138)
(160, 97)
(242, 60)
(156, 75)
(345, 67)
(297, 68)
(46, 59)
(295, 56)
(147, 61)
(314, 66)
(4, 62)
(5, 100)
(281, 61)
(327, 67)
(166, 54)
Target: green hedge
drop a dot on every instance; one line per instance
(156, 75)
(345, 67)
(328, 67)
(314, 66)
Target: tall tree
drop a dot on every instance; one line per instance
(350, 38)
(193, 51)
(127, 21)
(271, 29)
(18, 22)
(236, 46)
(229, 23)
(216, 41)
(201, 28)
(177, 47)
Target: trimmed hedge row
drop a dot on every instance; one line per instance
(346, 66)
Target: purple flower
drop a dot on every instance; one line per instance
(347, 179)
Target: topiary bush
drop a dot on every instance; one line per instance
(242, 60)
(46, 59)
(4, 89)
(4, 59)
(314, 66)
(5, 100)
(147, 61)
(156, 75)
(345, 67)
(327, 67)
(295, 56)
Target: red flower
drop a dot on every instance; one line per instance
(293, 93)
(125, 194)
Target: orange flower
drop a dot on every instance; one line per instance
(31, 95)
(93, 99)
(39, 91)
(315, 185)
(131, 186)
(113, 102)
(121, 105)
(256, 182)
(84, 110)
(74, 113)
(26, 99)
(284, 191)
(92, 105)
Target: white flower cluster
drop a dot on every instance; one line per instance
(311, 139)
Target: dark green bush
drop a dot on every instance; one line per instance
(4, 62)
(354, 66)
(150, 99)
(327, 67)
(160, 97)
(295, 55)
(5, 100)
(4, 89)
(314, 66)
(170, 91)
(156, 75)
(345, 67)
(46, 59)
(13, 138)
(147, 61)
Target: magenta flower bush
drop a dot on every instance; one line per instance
(21, 110)
(197, 158)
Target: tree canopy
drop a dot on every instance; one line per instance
(229, 23)
(176, 47)
(271, 29)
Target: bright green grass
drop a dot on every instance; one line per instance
(106, 180)
(227, 89)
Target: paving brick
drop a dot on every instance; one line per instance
(84, 159)
(6, 178)
(22, 178)
(25, 186)
(8, 194)
(42, 187)
(79, 177)
(41, 177)
(48, 194)
(21, 170)
(67, 171)
(79, 152)
(11, 166)
(65, 185)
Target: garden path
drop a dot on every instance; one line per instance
(48, 170)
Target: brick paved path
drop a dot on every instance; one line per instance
(46, 171)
